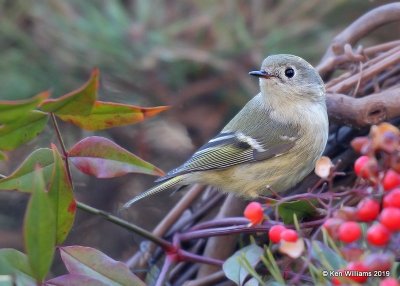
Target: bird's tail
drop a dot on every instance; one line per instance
(155, 190)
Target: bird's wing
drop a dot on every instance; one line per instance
(260, 141)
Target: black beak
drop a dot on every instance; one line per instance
(261, 73)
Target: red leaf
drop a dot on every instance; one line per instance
(74, 280)
(91, 262)
(102, 158)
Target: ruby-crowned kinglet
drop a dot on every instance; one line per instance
(271, 144)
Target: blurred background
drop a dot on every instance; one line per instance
(192, 55)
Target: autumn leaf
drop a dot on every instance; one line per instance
(91, 262)
(102, 158)
(108, 114)
(77, 102)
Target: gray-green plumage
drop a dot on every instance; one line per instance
(272, 143)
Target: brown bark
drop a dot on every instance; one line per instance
(361, 112)
(358, 29)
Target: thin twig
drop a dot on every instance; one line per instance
(63, 148)
(139, 259)
(129, 226)
(168, 262)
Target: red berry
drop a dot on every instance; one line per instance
(391, 180)
(390, 217)
(359, 165)
(357, 266)
(367, 209)
(349, 231)
(275, 233)
(254, 213)
(392, 199)
(378, 235)
(390, 281)
(289, 235)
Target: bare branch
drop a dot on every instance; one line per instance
(360, 112)
(357, 30)
(367, 74)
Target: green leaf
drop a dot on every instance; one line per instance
(19, 279)
(78, 102)
(88, 261)
(62, 198)
(13, 262)
(16, 133)
(302, 209)
(21, 179)
(39, 229)
(272, 266)
(234, 269)
(13, 110)
(107, 115)
(329, 259)
(102, 158)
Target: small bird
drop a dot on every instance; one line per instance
(271, 144)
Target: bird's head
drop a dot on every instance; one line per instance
(290, 78)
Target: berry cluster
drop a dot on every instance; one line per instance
(379, 211)
(379, 166)
(279, 232)
(364, 218)
(288, 239)
(254, 212)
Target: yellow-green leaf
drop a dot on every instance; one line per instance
(62, 198)
(21, 179)
(12, 110)
(39, 228)
(108, 114)
(16, 133)
(78, 102)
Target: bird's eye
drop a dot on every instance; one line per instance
(289, 72)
